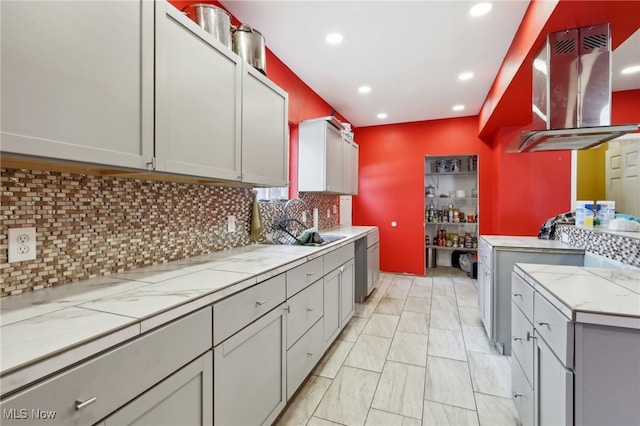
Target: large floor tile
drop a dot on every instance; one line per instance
(400, 389)
(317, 421)
(448, 382)
(369, 353)
(437, 414)
(382, 325)
(446, 344)
(333, 359)
(349, 397)
(366, 309)
(420, 291)
(305, 402)
(399, 289)
(447, 320)
(353, 329)
(418, 304)
(476, 340)
(493, 410)
(490, 374)
(390, 306)
(444, 303)
(470, 316)
(410, 348)
(382, 418)
(414, 322)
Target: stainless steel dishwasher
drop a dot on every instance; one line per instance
(367, 258)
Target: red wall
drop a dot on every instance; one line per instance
(391, 182)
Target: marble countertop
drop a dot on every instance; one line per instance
(46, 330)
(588, 295)
(523, 242)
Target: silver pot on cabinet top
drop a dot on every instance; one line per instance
(248, 43)
(215, 20)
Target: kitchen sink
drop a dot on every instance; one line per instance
(331, 238)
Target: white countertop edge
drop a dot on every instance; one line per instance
(610, 320)
(551, 298)
(21, 376)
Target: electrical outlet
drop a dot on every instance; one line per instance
(22, 244)
(304, 216)
(328, 213)
(335, 209)
(231, 223)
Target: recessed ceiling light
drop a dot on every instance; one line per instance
(334, 38)
(631, 70)
(364, 89)
(465, 76)
(458, 107)
(480, 9)
(382, 115)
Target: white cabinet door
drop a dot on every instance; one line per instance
(265, 130)
(198, 100)
(249, 382)
(320, 153)
(184, 398)
(77, 80)
(331, 319)
(554, 388)
(347, 292)
(485, 297)
(354, 160)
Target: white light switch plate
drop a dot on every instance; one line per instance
(231, 224)
(22, 244)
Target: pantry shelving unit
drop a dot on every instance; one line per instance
(450, 206)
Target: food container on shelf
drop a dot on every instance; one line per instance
(585, 213)
(430, 191)
(441, 166)
(605, 212)
(455, 165)
(461, 193)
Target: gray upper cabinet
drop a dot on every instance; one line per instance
(198, 100)
(320, 155)
(350, 167)
(77, 80)
(265, 130)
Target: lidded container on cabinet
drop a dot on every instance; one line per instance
(214, 20)
(248, 43)
(430, 191)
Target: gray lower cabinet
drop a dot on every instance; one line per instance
(78, 85)
(554, 388)
(339, 302)
(347, 287)
(303, 356)
(249, 377)
(184, 398)
(93, 390)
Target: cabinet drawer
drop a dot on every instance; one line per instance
(338, 257)
(305, 308)
(239, 310)
(485, 253)
(113, 379)
(554, 328)
(373, 237)
(522, 295)
(303, 356)
(301, 276)
(522, 344)
(522, 394)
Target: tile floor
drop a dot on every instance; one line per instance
(414, 354)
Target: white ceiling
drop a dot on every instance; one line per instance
(409, 52)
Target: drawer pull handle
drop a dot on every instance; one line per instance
(342, 269)
(515, 338)
(260, 302)
(309, 274)
(530, 336)
(543, 323)
(517, 294)
(287, 308)
(517, 395)
(310, 354)
(82, 404)
(309, 309)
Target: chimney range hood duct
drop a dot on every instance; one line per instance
(572, 93)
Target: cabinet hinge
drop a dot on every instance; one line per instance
(151, 165)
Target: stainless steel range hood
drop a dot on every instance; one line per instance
(572, 93)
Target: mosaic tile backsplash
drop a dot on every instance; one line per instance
(617, 247)
(88, 226)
